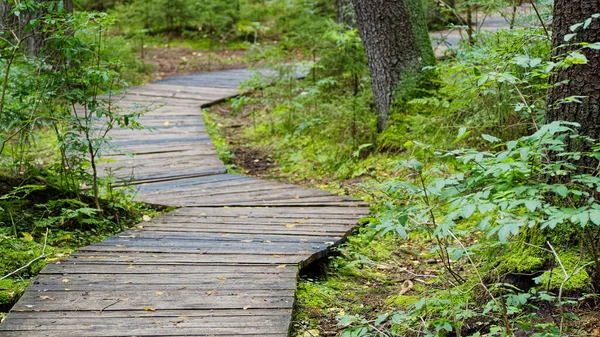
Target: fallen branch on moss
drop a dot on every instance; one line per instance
(32, 261)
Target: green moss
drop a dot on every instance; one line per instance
(579, 278)
(403, 301)
(10, 291)
(522, 259)
(16, 253)
(219, 141)
(316, 295)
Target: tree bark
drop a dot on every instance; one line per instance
(34, 40)
(394, 33)
(577, 80)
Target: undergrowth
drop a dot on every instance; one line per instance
(481, 223)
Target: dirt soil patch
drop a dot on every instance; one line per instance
(176, 61)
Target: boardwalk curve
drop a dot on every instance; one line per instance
(225, 263)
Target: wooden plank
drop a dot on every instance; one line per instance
(71, 267)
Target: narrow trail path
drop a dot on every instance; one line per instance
(225, 263)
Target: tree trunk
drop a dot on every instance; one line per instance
(345, 13)
(33, 40)
(394, 33)
(577, 80)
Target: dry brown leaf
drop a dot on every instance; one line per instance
(221, 278)
(212, 292)
(406, 287)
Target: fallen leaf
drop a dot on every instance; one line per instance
(146, 218)
(221, 278)
(247, 241)
(149, 309)
(66, 280)
(281, 266)
(47, 298)
(289, 225)
(406, 287)
(158, 293)
(212, 292)
(383, 267)
(166, 123)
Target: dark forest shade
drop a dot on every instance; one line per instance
(397, 43)
(577, 80)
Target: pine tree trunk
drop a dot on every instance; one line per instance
(397, 44)
(581, 80)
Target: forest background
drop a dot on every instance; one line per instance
(484, 212)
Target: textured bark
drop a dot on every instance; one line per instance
(397, 44)
(345, 12)
(582, 80)
(35, 39)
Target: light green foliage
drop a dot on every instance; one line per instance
(225, 21)
(49, 149)
(323, 124)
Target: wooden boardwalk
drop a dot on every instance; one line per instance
(225, 263)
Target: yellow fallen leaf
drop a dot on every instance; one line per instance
(281, 266)
(222, 278)
(66, 280)
(47, 298)
(166, 123)
(158, 293)
(67, 289)
(146, 218)
(247, 241)
(289, 225)
(212, 292)
(149, 309)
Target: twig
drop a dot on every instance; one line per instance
(562, 284)
(110, 305)
(541, 20)
(378, 330)
(505, 317)
(32, 261)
